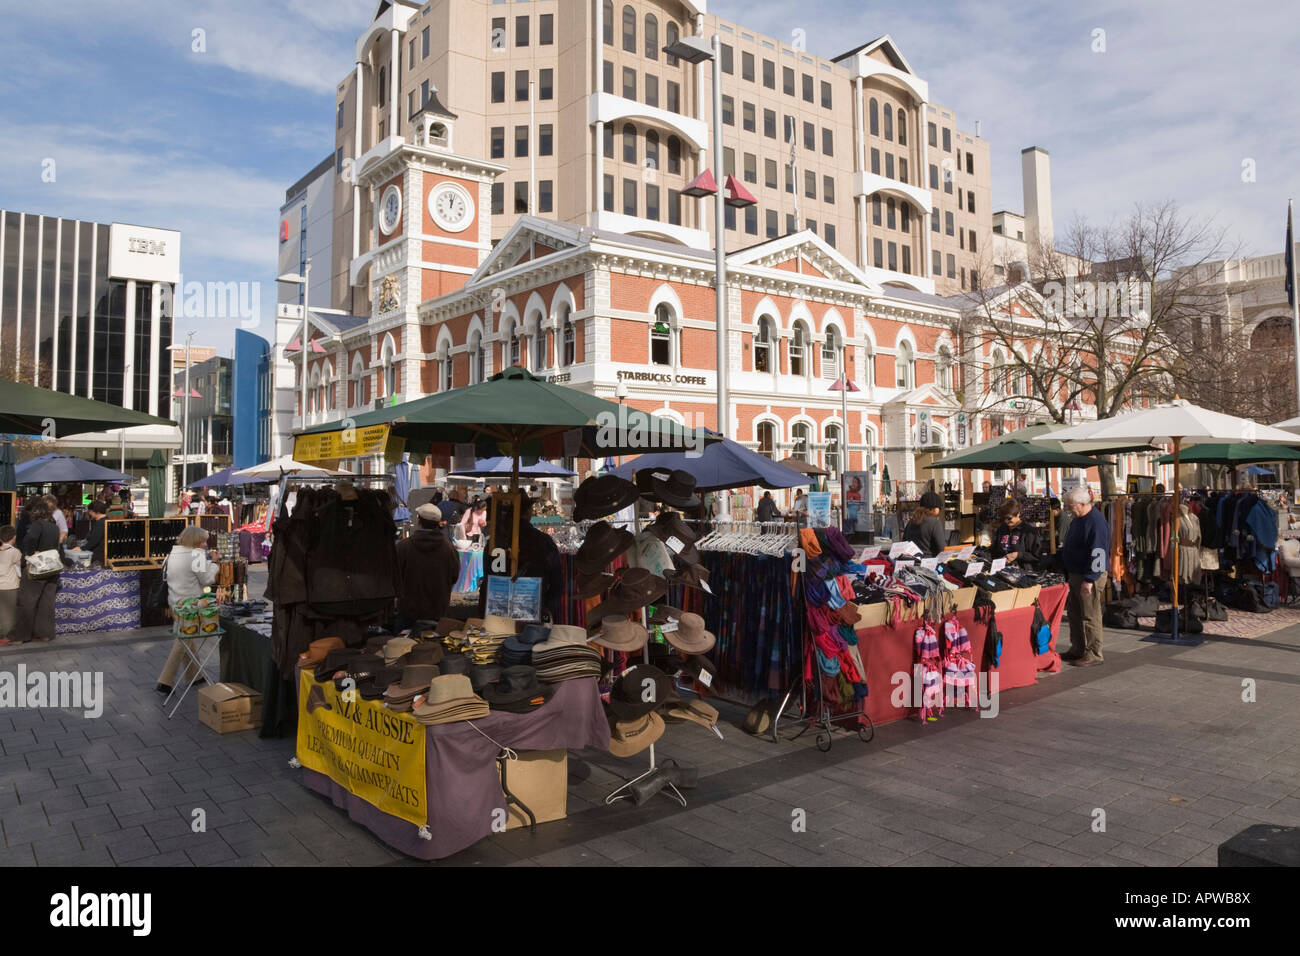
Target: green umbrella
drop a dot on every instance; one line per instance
(517, 411)
(28, 410)
(7, 461)
(157, 484)
(1240, 454)
(1011, 454)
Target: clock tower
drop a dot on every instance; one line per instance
(430, 230)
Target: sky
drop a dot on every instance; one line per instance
(148, 121)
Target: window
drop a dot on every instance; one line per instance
(498, 199)
(903, 366)
(629, 143)
(539, 347)
(651, 36)
(410, 59)
(674, 207)
(769, 174)
(728, 111)
(873, 117)
(787, 80)
(828, 142)
(728, 163)
(875, 210)
(902, 169)
(498, 140)
(769, 124)
(652, 202)
(906, 215)
(498, 87)
(728, 61)
(970, 164)
(800, 433)
(952, 266)
(832, 433)
(729, 217)
(521, 196)
(934, 176)
(424, 42)
(521, 31)
(521, 140)
(943, 369)
(934, 133)
(831, 354)
(607, 21)
(799, 349)
(339, 119)
(902, 127)
(937, 265)
(773, 224)
(875, 161)
(764, 338)
(789, 183)
(751, 168)
(516, 345)
(609, 194)
(811, 225)
(410, 103)
(546, 84)
(747, 66)
(609, 140)
(889, 122)
(934, 221)
(893, 257)
(338, 161)
(651, 90)
(947, 140)
(947, 223)
(607, 77)
(671, 36)
(826, 95)
(807, 84)
(769, 74)
(830, 235)
(790, 225)
(972, 241)
(629, 30)
(970, 201)
(567, 336)
(878, 253)
(748, 121)
(907, 259)
(890, 220)
(546, 29)
(809, 136)
(889, 165)
(828, 188)
(629, 197)
(545, 138)
(674, 154)
(810, 184)
(545, 196)
(521, 86)
(629, 83)
(476, 357)
(766, 434)
(661, 335)
(674, 97)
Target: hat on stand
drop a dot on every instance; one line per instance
(680, 539)
(602, 495)
(427, 652)
(396, 648)
(451, 698)
(628, 738)
(639, 691)
(675, 488)
(591, 585)
(634, 589)
(518, 691)
(602, 545)
(692, 576)
(690, 636)
(620, 633)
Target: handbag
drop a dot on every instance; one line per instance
(44, 565)
(1040, 632)
(157, 599)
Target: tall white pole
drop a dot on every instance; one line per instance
(1295, 293)
(306, 291)
(720, 255)
(185, 438)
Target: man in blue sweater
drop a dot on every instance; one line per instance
(1085, 556)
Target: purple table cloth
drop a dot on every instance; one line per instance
(464, 785)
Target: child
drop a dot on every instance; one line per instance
(10, 564)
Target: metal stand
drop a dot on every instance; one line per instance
(503, 762)
(207, 647)
(824, 719)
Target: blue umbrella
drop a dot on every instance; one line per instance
(55, 468)
(1258, 470)
(724, 464)
(501, 467)
(226, 478)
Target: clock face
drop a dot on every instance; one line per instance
(390, 209)
(451, 207)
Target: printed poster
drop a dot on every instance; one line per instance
(819, 509)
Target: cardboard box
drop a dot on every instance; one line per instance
(1003, 600)
(1025, 597)
(230, 707)
(540, 778)
(872, 615)
(964, 598)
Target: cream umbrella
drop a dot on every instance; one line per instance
(1172, 424)
(286, 466)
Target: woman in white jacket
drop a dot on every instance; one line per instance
(188, 569)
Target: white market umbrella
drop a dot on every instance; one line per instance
(285, 466)
(1290, 425)
(1172, 424)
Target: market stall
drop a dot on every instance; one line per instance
(97, 599)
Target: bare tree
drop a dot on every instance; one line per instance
(23, 368)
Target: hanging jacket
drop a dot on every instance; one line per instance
(351, 556)
(1260, 526)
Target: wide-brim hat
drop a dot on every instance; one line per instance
(629, 737)
(396, 648)
(445, 688)
(618, 632)
(695, 711)
(483, 675)
(336, 660)
(495, 625)
(454, 664)
(562, 635)
(602, 545)
(518, 690)
(695, 664)
(601, 496)
(358, 668)
(318, 650)
(448, 624)
(640, 690)
(676, 489)
(669, 526)
(373, 687)
(415, 680)
(690, 635)
(634, 589)
(534, 633)
(664, 613)
(692, 576)
(589, 585)
(427, 652)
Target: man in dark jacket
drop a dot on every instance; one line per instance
(766, 507)
(427, 569)
(925, 528)
(95, 539)
(1085, 555)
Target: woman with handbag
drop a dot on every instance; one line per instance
(41, 567)
(188, 570)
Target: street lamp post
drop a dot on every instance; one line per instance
(303, 280)
(185, 419)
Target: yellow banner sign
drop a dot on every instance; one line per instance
(377, 754)
(344, 443)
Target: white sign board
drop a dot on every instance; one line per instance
(144, 253)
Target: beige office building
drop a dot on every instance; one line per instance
(597, 126)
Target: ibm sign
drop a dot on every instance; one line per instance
(143, 253)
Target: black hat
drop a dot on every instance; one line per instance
(602, 545)
(675, 488)
(628, 699)
(590, 586)
(518, 690)
(484, 675)
(454, 664)
(336, 660)
(604, 495)
(634, 589)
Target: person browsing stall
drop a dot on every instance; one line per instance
(925, 529)
(11, 564)
(427, 568)
(1084, 556)
(95, 537)
(189, 569)
(34, 620)
(1014, 540)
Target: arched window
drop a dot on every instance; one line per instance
(539, 347)
(832, 433)
(629, 143)
(390, 371)
(313, 383)
(867, 373)
(607, 21)
(477, 357)
(831, 354)
(906, 211)
(891, 210)
(355, 382)
(661, 335)
(512, 349)
(889, 122)
(801, 435)
(444, 371)
(873, 112)
(999, 380)
(568, 336)
(651, 36)
(943, 369)
(670, 37)
(799, 350)
(903, 366)
(674, 154)
(764, 337)
(902, 127)
(651, 149)
(766, 439)
(629, 29)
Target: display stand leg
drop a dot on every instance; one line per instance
(209, 645)
(511, 799)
